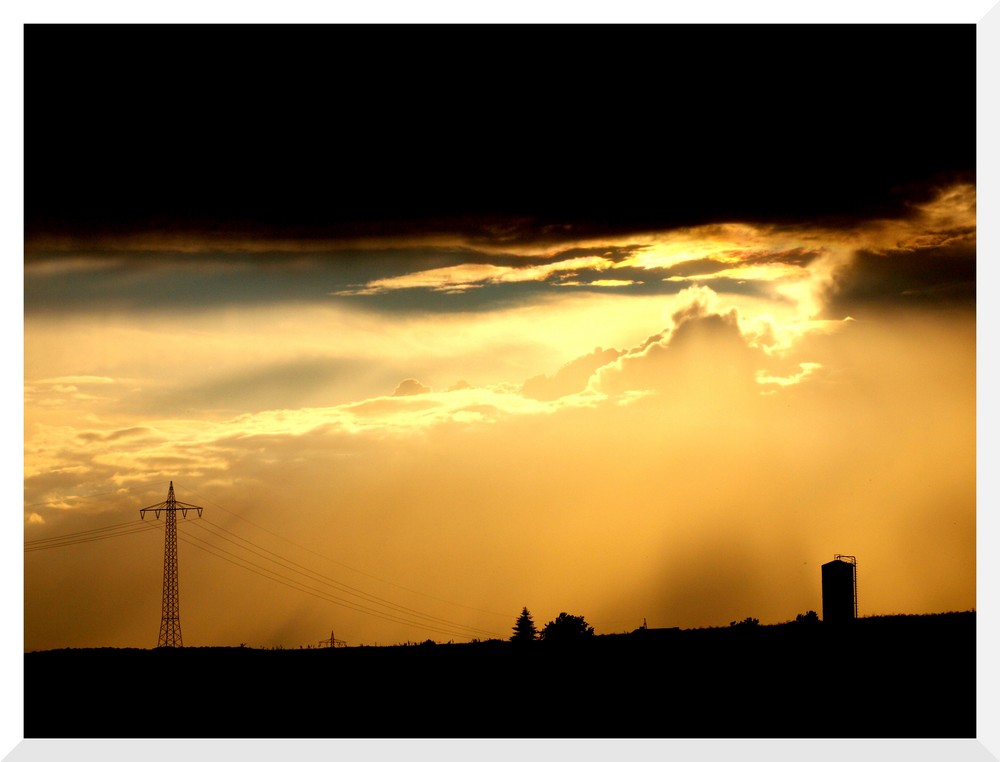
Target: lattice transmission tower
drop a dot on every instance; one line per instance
(332, 642)
(170, 621)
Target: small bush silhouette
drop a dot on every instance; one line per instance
(567, 628)
(748, 622)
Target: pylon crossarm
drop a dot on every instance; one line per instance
(175, 506)
(156, 508)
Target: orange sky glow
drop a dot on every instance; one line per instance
(411, 439)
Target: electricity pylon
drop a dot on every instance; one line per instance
(170, 622)
(332, 642)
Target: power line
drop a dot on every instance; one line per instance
(83, 532)
(87, 535)
(49, 544)
(395, 612)
(308, 589)
(323, 579)
(345, 566)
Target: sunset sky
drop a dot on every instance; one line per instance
(608, 336)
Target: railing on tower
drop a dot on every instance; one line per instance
(853, 562)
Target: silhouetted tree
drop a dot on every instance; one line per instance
(810, 617)
(748, 622)
(524, 628)
(567, 628)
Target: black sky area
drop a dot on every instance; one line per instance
(342, 130)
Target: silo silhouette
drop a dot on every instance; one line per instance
(840, 589)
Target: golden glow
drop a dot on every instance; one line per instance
(699, 472)
(777, 271)
(462, 277)
(665, 250)
(807, 369)
(599, 283)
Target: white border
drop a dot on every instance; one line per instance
(511, 11)
(988, 240)
(982, 12)
(12, 531)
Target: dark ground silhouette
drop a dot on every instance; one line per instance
(892, 677)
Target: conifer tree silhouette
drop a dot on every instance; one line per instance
(524, 628)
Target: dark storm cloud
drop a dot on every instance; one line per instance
(492, 297)
(143, 279)
(696, 267)
(643, 283)
(208, 253)
(121, 277)
(582, 132)
(938, 276)
(650, 279)
(800, 256)
(616, 253)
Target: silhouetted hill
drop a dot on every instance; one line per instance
(894, 676)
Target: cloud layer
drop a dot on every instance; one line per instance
(699, 475)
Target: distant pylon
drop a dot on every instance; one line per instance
(332, 642)
(170, 621)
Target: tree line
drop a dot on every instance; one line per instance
(563, 629)
(569, 627)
